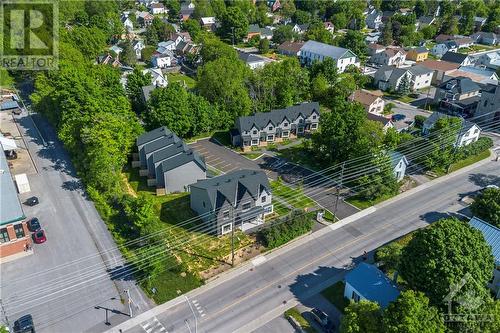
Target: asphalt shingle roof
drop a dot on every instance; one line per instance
(324, 49)
(372, 284)
(420, 70)
(455, 57)
(261, 119)
(9, 105)
(229, 184)
(153, 135)
(435, 116)
(462, 85)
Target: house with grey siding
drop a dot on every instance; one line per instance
(275, 126)
(398, 164)
(168, 162)
(238, 199)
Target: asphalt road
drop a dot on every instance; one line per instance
(249, 300)
(67, 277)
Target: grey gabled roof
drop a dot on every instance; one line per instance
(462, 85)
(186, 157)
(261, 119)
(230, 184)
(160, 143)
(249, 57)
(325, 50)
(395, 157)
(435, 116)
(420, 70)
(169, 151)
(11, 210)
(153, 135)
(146, 91)
(455, 57)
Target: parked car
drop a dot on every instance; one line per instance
(24, 325)
(323, 319)
(32, 201)
(398, 117)
(34, 224)
(11, 154)
(39, 237)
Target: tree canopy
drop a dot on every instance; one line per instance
(441, 255)
(487, 206)
(362, 317)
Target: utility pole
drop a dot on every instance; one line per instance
(232, 35)
(127, 291)
(457, 141)
(187, 324)
(338, 191)
(232, 236)
(194, 315)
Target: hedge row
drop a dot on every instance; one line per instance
(286, 229)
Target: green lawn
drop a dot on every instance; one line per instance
(363, 204)
(182, 79)
(193, 250)
(335, 294)
(252, 156)
(295, 314)
(280, 208)
(293, 196)
(300, 155)
(470, 160)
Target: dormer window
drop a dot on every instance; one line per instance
(314, 116)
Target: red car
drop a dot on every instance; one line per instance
(39, 237)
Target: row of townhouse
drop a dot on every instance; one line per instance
(168, 163)
(275, 126)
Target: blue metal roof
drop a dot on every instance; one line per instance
(491, 235)
(9, 105)
(372, 284)
(11, 210)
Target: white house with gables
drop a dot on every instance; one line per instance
(313, 51)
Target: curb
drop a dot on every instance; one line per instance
(280, 250)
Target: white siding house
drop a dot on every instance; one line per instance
(313, 51)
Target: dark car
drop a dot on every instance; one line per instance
(320, 316)
(34, 225)
(398, 117)
(39, 237)
(24, 325)
(32, 201)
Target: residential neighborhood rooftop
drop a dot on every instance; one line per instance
(491, 235)
(326, 50)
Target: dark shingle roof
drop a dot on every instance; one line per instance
(460, 85)
(182, 159)
(153, 135)
(376, 117)
(277, 116)
(420, 70)
(435, 116)
(230, 184)
(249, 57)
(326, 50)
(160, 143)
(455, 57)
(170, 151)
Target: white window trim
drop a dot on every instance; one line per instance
(270, 135)
(224, 226)
(287, 134)
(228, 216)
(254, 144)
(300, 130)
(314, 126)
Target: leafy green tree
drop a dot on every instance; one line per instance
(278, 85)
(287, 8)
(5, 79)
(301, 17)
(362, 317)
(170, 107)
(234, 19)
(429, 31)
(411, 313)
(223, 82)
(317, 32)
(340, 19)
(439, 256)
(379, 179)
(354, 41)
(389, 256)
(127, 56)
(89, 41)
(319, 87)
(140, 211)
(487, 206)
(283, 33)
(135, 81)
(420, 8)
(386, 38)
(345, 133)
(404, 85)
(147, 53)
(261, 17)
(193, 27)
(174, 9)
(264, 46)
(213, 48)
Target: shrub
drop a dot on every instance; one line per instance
(419, 121)
(286, 229)
(474, 148)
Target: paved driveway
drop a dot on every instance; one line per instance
(224, 159)
(67, 277)
(409, 111)
(317, 187)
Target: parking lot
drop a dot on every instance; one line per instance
(65, 278)
(317, 187)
